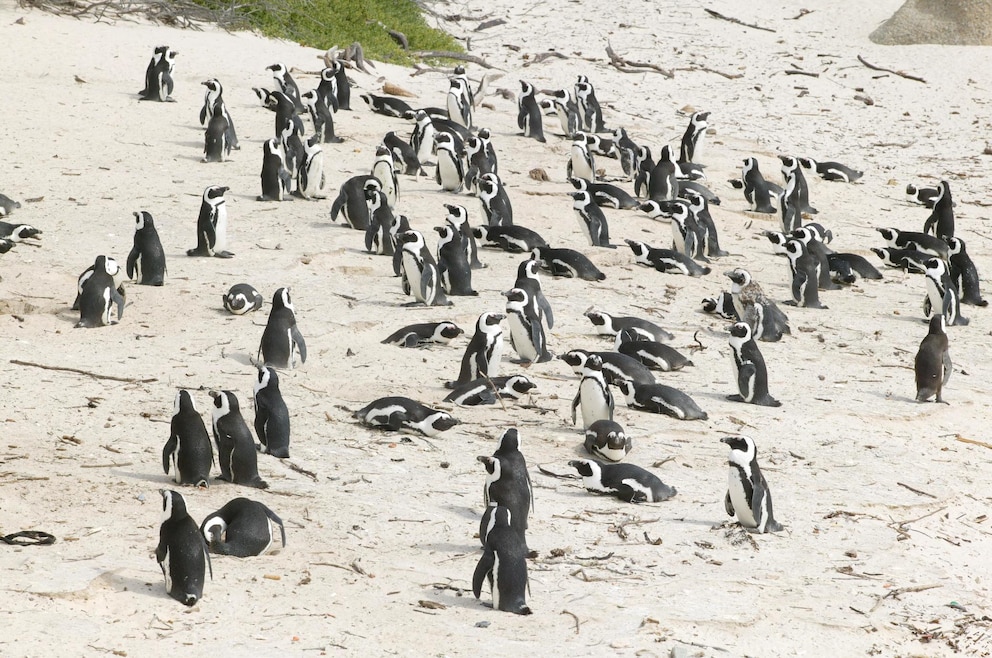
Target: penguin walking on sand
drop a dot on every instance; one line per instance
(940, 223)
(271, 414)
(236, 452)
(146, 262)
(282, 339)
(181, 552)
(766, 319)
(188, 449)
(277, 180)
(243, 528)
(748, 496)
(749, 368)
(933, 362)
(504, 565)
(964, 274)
(628, 482)
(591, 220)
(529, 113)
(508, 481)
(421, 276)
(211, 224)
(526, 331)
(590, 112)
(99, 293)
(484, 351)
(594, 396)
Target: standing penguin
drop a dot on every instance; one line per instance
(692, 138)
(421, 277)
(282, 338)
(243, 528)
(181, 552)
(291, 136)
(271, 414)
(423, 137)
(385, 173)
(748, 495)
(321, 115)
(504, 565)
(593, 395)
(664, 184)
(758, 192)
(964, 274)
(483, 353)
(211, 224)
(342, 86)
(458, 102)
(276, 177)
(796, 188)
(508, 481)
(457, 218)
(590, 112)
(158, 76)
(526, 331)
(581, 163)
(311, 177)
(941, 220)
(146, 262)
(805, 275)
(212, 98)
(495, 201)
(99, 293)
(933, 362)
(749, 368)
(215, 145)
(452, 262)
(287, 84)
(529, 113)
(235, 447)
(591, 219)
(529, 281)
(942, 294)
(449, 174)
(188, 448)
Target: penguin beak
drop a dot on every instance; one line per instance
(726, 440)
(215, 394)
(483, 459)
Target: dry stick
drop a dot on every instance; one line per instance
(899, 591)
(801, 72)
(447, 54)
(575, 617)
(901, 74)
(916, 491)
(627, 66)
(974, 442)
(706, 69)
(546, 55)
(736, 21)
(129, 380)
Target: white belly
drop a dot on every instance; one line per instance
(594, 404)
(522, 342)
(412, 269)
(742, 507)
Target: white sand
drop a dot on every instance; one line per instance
(389, 520)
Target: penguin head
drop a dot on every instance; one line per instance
(628, 336)
(173, 505)
(489, 320)
(509, 441)
(575, 358)
(819, 232)
(411, 237)
(382, 152)
(888, 234)
(806, 163)
(666, 153)
(579, 183)
(456, 214)
(520, 384)
(526, 88)
(278, 70)
(444, 140)
(881, 253)
(586, 467)
(776, 238)
(935, 267)
(516, 299)
(697, 201)
(741, 331)
(492, 465)
(537, 254)
(698, 119)
(459, 70)
(581, 198)
(442, 421)
(225, 402)
(266, 378)
(739, 275)
(579, 138)
(643, 154)
(639, 248)
(213, 85)
(527, 269)
(749, 164)
(481, 232)
(450, 329)
(214, 194)
(213, 529)
(142, 219)
(484, 134)
(593, 364)
(625, 385)
(281, 299)
(788, 163)
(106, 264)
(598, 318)
(309, 99)
(445, 233)
(184, 402)
(742, 449)
(616, 439)
(652, 209)
(794, 248)
(938, 324)
(955, 246)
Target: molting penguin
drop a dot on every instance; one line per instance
(146, 262)
(504, 565)
(282, 338)
(748, 495)
(188, 449)
(271, 414)
(235, 447)
(749, 368)
(628, 482)
(211, 225)
(181, 552)
(483, 352)
(607, 440)
(242, 298)
(242, 528)
(99, 293)
(398, 413)
(933, 362)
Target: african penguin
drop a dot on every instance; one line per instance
(748, 496)
(504, 565)
(99, 293)
(242, 298)
(235, 448)
(933, 362)
(188, 449)
(483, 353)
(181, 552)
(416, 335)
(628, 482)
(282, 338)
(593, 396)
(661, 399)
(211, 224)
(271, 414)
(243, 528)
(607, 440)
(398, 413)
(146, 262)
(749, 368)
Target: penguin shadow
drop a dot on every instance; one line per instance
(244, 359)
(142, 586)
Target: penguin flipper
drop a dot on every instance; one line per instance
(117, 298)
(275, 519)
(170, 449)
(575, 404)
(545, 307)
(336, 207)
(301, 344)
(728, 504)
(132, 262)
(745, 380)
(483, 571)
(946, 359)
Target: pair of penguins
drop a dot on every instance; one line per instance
(242, 528)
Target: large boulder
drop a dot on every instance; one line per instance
(947, 22)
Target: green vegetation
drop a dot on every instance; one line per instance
(325, 23)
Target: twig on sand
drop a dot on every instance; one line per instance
(974, 442)
(917, 491)
(899, 591)
(129, 380)
(448, 54)
(706, 69)
(901, 74)
(736, 21)
(575, 617)
(627, 66)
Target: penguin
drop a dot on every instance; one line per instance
(526, 330)
(514, 239)
(654, 355)
(844, 267)
(942, 294)
(529, 281)
(342, 86)
(832, 171)
(964, 274)
(452, 262)
(215, 145)
(282, 338)
(483, 353)
(158, 76)
(404, 155)
(212, 99)
(805, 274)
(664, 184)
(627, 149)
(211, 224)
(321, 116)
(591, 220)
(387, 106)
(457, 218)
(495, 201)
(796, 187)
(666, 260)
(479, 151)
(913, 240)
(605, 194)
(688, 237)
(766, 320)
(271, 414)
(458, 103)
(146, 262)
(818, 251)
(911, 260)
(590, 112)
(417, 335)
(607, 440)
(748, 496)
(566, 110)
(18, 232)
(243, 528)
(277, 179)
(235, 447)
(721, 305)
(593, 396)
(691, 186)
(567, 263)
(311, 176)
(922, 194)
(112, 266)
(399, 226)
(242, 298)
(749, 368)
(188, 449)
(940, 223)
(486, 390)
(385, 173)
(581, 162)
(293, 152)
(397, 413)
(529, 113)
(628, 482)
(421, 277)
(508, 481)
(756, 190)
(699, 207)
(287, 84)
(610, 325)
(933, 362)
(604, 146)
(661, 399)
(504, 565)
(692, 138)
(99, 293)
(381, 219)
(350, 201)
(615, 366)
(284, 108)
(8, 205)
(644, 167)
(423, 137)
(181, 552)
(449, 173)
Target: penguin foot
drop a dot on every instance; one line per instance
(768, 402)
(196, 252)
(223, 254)
(736, 397)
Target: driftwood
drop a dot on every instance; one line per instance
(901, 74)
(736, 21)
(448, 54)
(544, 56)
(627, 66)
(485, 25)
(801, 72)
(706, 69)
(129, 380)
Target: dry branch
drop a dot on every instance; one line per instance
(901, 74)
(448, 54)
(129, 380)
(736, 21)
(627, 66)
